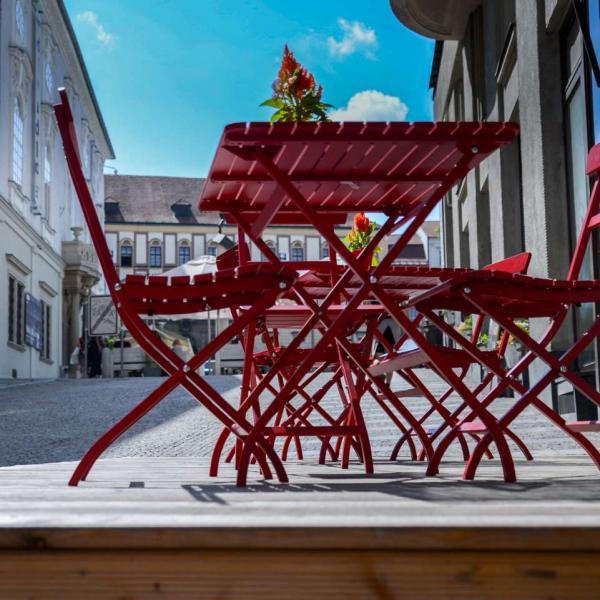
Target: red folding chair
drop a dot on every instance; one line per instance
(404, 362)
(256, 286)
(502, 297)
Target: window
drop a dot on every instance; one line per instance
(324, 250)
(184, 253)
(47, 184)
(45, 352)
(16, 311)
(20, 20)
(86, 160)
(212, 249)
(17, 174)
(126, 254)
(297, 252)
(577, 146)
(49, 78)
(271, 246)
(594, 30)
(155, 255)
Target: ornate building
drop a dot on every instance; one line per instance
(47, 266)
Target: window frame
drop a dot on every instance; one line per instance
(18, 134)
(155, 249)
(297, 246)
(16, 312)
(125, 244)
(183, 245)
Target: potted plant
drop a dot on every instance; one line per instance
(360, 236)
(296, 95)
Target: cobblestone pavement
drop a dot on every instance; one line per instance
(58, 420)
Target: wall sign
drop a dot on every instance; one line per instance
(33, 322)
(103, 317)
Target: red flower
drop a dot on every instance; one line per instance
(361, 222)
(288, 64)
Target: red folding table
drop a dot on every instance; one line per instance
(318, 173)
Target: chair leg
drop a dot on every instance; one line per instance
(132, 417)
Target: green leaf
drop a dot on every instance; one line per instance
(273, 103)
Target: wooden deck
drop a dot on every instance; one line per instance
(159, 527)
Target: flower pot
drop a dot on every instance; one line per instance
(366, 260)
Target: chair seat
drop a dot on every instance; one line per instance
(326, 355)
(519, 296)
(454, 358)
(240, 286)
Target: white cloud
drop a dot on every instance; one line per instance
(371, 105)
(357, 37)
(91, 18)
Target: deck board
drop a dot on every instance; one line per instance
(160, 527)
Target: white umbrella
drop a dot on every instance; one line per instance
(196, 266)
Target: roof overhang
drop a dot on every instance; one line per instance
(437, 19)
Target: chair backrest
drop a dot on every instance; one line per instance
(592, 216)
(519, 263)
(64, 118)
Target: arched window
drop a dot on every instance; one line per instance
(297, 251)
(212, 249)
(155, 259)
(184, 252)
(18, 125)
(126, 254)
(324, 250)
(47, 182)
(271, 246)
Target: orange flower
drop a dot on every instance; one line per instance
(361, 222)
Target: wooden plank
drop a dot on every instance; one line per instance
(299, 574)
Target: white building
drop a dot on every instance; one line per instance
(46, 264)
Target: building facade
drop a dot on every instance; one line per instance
(534, 62)
(153, 224)
(423, 250)
(47, 266)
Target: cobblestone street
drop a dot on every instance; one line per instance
(58, 420)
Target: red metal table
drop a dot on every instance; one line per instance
(317, 173)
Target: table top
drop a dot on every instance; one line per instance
(342, 168)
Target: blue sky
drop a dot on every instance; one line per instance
(169, 74)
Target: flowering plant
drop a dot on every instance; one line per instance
(360, 235)
(296, 95)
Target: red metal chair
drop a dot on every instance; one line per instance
(253, 285)
(405, 361)
(501, 296)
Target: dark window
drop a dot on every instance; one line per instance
(183, 212)
(155, 256)
(212, 250)
(126, 255)
(577, 143)
(11, 309)
(112, 212)
(297, 253)
(325, 250)
(184, 254)
(413, 252)
(46, 331)
(16, 311)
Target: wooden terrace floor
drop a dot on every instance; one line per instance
(161, 528)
